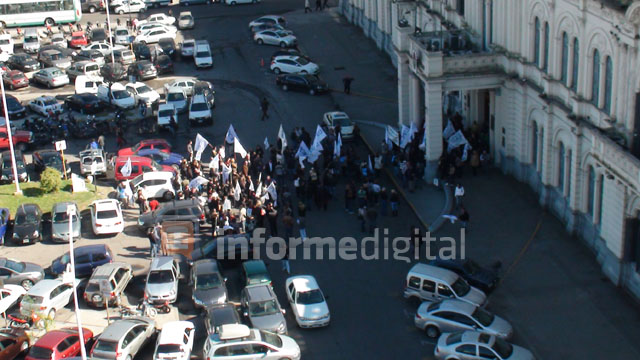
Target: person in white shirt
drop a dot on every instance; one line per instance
(459, 193)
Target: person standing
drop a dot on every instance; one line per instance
(302, 225)
(141, 201)
(190, 150)
(307, 6)
(475, 162)
(346, 81)
(393, 199)
(288, 222)
(459, 194)
(285, 261)
(272, 217)
(325, 4)
(264, 106)
(318, 5)
(101, 141)
(463, 216)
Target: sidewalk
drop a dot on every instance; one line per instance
(552, 291)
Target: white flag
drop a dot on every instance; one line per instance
(226, 171)
(237, 191)
(196, 182)
(266, 143)
(449, 130)
(423, 144)
(201, 145)
(226, 205)
(282, 137)
(231, 134)
(392, 136)
(126, 169)
(251, 188)
(259, 190)
(239, 149)
(413, 129)
(303, 151)
(301, 162)
(222, 153)
(272, 191)
(465, 153)
(456, 140)
(370, 165)
(320, 135)
(406, 137)
(215, 163)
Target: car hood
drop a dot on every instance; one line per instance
(312, 311)
(209, 297)
(62, 229)
(199, 114)
(475, 297)
(501, 327)
(267, 322)
(159, 289)
(25, 230)
(151, 96)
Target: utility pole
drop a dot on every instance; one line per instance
(7, 123)
(106, 5)
(71, 212)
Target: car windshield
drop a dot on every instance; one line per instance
(63, 217)
(342, 121)
(460, 287)
(4, 41)
(199, 107)
(188, 45)
(14, 265)
(271, 338)
(160, 277)
(302, 61)
(281, 33)
(17, 76)
(126, 54)
(175, 96)
(106, 346)
(186, 17)
(122, 32)
(202, 54)
(503, 348)
(310, 297)
(263, 308)
(120, 94)
(29, 39)
(107, 214)
(471, 267)
(55, 56)
(23, 219)
(77, 37)
(56, 73)
(483, 317)
(50, 101)
(32, 299)
(7, 164)
(165, 113)
(168, 348)
(208, 281)
(143, 89)
(38, 352)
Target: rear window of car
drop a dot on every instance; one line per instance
(39, 352)
(32, 299)
(106, 346)
(454, 338)
(107, 214)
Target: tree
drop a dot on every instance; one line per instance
(50, 180)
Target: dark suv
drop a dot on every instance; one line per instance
(7, 167)
(176, 210)
(302, 82)
(91, 6)
(87, 258)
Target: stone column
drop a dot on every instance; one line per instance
(404, 97)
(414, 108)
(433, 127)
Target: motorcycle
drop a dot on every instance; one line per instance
(20, 321)
(143, 309)
(162, 308)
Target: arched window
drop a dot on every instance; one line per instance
(534, 148)
(576, 65)
(591, 191)
(561, 167)
(536, 43)
(595, 78)
(565, 59)
(546, 47)
(569, 158)
(608, 84)
(600, 198)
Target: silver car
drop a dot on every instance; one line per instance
(51, 77)
(162, 281)
(60, 222)
(186, 20)
(87, 68)
(209, 286)
(54, 58)
(262, 309)
(453, 315)
(122, 339)
(274, 37)
(20, 273)
(472, 345)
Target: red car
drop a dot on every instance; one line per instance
(160, 144)
(15, 79)
(59, 344)
(78, 39)
(12, 343)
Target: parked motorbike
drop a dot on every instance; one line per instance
(143, 309)
(19, 321)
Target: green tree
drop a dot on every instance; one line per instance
(50, 180)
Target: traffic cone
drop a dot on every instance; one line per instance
(261, 62)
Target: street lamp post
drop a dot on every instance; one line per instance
(106, 5)
(71, 212)
(10, 138)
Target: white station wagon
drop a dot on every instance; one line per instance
(307, 301)
(106, 217)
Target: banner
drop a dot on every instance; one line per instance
(456, 140)
(259, 189)
(231, 134)
(449, 130)
(215, 163)
(200, 146)
(272, 191)
(237, 191)
(320, 135)
(465, 153)
(406, 136)
(222, 153)
(251, 188)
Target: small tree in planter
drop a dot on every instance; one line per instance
(50, 180)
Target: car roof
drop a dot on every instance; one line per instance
(161, 263)
(304, 283)
(165, 106)
(184, 13)
(260, 292)
(116, 330)
(44, 287)
(91, 152)
(46, 97)
(338, 114)
(434, 271)
(205, 266)
(105, 270)
(53, 337)
(199, 98)
(173, 332)
(458, 306)
(106, 204)
(252, 267)
(27, 208)
(134, 159)
(156, 175)
(88, 249)
(62, 206)
(233, 331)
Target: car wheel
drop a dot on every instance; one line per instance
(432, 332)
(52, 314)
(283, 44)
(92, 9)
(285, 87)
(260, 41)
(276, 71)
(312, 92)
(49, 22)
(167, 196)
(120, 12)
(26, 284)
(49, 85)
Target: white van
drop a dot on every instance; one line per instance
(202, 55)
(6, 45)
(431, 283)
(118, 96)
(200, 111)
(154, 184)
(88, 84)
(93, 162)
(31, 43)
(165, 112)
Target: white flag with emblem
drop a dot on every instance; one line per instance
(201, 145)
(231, 134)
(266, 143)
(126, 169)
(282, 137)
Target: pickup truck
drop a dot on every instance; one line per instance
(21, 139)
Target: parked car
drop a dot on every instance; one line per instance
(91, 6)
(307, 301)
(46, 298)
(161, 157)
(291, 52)
(122, 339)
(155, 184)
(176, 210)
(200, 111)
(85, 103)
(106, 217)
(175, 341)
(269, 26)
(15, 79)
(202, 56)
(205, 89)
(143, 28)
(31, 41)
(59, 39)
(483, 278)
(168, 46)
(21, 273)
(9, 296)
(90, 55)
(117, 275)
(124, 56)
(6, 167)
(93, 162)
(153, 36)
(229, 250)
(116, 95)
(292, 65)
(460, 345)
(435, 318)
(279, 38)
(101, 45)
(161, 285)
(139, 165)
(160, 144)
(195, 2)
(51, 77)
(186, 20)
(59, 344)
(43, 159)
(164, 65)
(44, 104)
(185, 84)
(53, 58)
(178, 98)
(220, 314)
(142, 92)
(268, 19)
(159, 18)
(254, 272)
(208, 286)
(142, 70)
(14, 107)
(23, 62)
(187, 47)
(122, 36)
(14, 343)
(262, 309)
(88, 84)
(27, 224)
(254, 343)
(113, 72)
(131, 6)
(60, 222)
(165, 113)
(86, 259)
(86, 68)
(338, 118)
(78, 39)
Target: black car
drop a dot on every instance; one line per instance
(14, 107)
(27, 226)
(219, 315)
(142, 51)
(88, 55)
(6, 167)
(91, 6)
(98, 35)
(168, 47)
(113, 72)
(478, 276)
(84, 103)
(23, 62)
(178, 210)
(43, 159)
(66, 52)
(143, 70)
(289, 52)
(302, 82)
(164, 65)
(205, 88)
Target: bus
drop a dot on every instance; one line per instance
(15, 13)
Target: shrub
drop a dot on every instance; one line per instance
(50, 180)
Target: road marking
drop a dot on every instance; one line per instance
(365, 95)
(522, 251)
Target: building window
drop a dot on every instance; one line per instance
(576, 64)
(561, 168)
(534, 149)
(595, 78)
(608, 84)
(591, 191)
(536, 43)
(546, 47)
(565, 59)
(460, 7)
(569, 159)
(600, 198)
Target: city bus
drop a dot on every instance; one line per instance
(15, 13)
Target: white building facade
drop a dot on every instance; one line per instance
(556, 85)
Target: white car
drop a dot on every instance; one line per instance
(88, 84)
(46, 297)
(178, 99)
(43, 104)
(236, 2)
(202, 56)
(117, 95)
(103, 47)
(122, 36)
(153, 26)
(200, 111)
(142, 92)
(131, 6)
(335, 118)
(187, 47)
(273, 37)
(186, 20)
(290, 64)
(175, 341)
(184, 84)
(268, 20)
(154, 184)
(6, 44)
(106, 217)
(307, 301)
(159, 18)
(165, 112)
(255, 344)
(58, 39)
(153, 36)
(9, 296)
